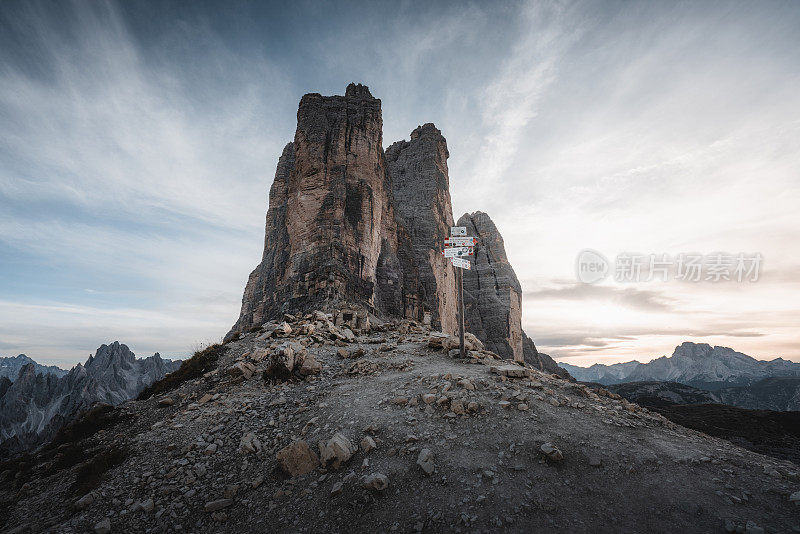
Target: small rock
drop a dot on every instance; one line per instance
(376, 482)
(425, 461)
(795, 498)
(166, 401)
(311, 366)
(752, 528)
(211, 449)
(522, 407)
(552, 452)
(85, 501)
(337, 451)
(400, 401)
(336, 489)
(250, 444)
(297, 459)
(103, 527)
(504, 404)
(147, 506)
(367, 444)
(428, 398)
(219, 504)
(595, 461)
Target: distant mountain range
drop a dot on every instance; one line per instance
(698, 373)
(10, 367)
(38, 402)
(696, 364)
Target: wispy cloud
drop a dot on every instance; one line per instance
(136, 152)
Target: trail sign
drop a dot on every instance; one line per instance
(461, 241)
(458, 230)
(457, 252)
(458, 262)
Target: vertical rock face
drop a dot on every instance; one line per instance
(348, 224)
(421, 188)
(492, 293)
(331, 232)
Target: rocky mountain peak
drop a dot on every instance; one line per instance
(10, 367)
(694, 351)
(492, 292)
(356, 90)
(113, 355)
(36, 404)
(349, 225)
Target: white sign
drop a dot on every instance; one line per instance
(458, 262)
(458, 230)
(461, 241)
(457, 252)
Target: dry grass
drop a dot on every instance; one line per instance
(202, 362)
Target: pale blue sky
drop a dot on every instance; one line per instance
(138, 141)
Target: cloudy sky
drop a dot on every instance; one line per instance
(138, 142)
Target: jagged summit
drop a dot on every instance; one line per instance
(10, 367)
(356, 90)
(36, 405)
(695, 364)
(349, 225)
(336, 233)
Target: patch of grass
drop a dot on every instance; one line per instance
(91, 473)
(202, 362)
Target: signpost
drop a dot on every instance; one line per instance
(461, 241)
(457, 246)
(457, 252)
(460, 263)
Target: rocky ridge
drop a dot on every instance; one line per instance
(36, 405)
(304, 425)
(695, 364)
(10, 367)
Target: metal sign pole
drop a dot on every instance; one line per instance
(460, 274)
(457, 246)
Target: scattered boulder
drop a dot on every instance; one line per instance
(510, 370)
(376, 482)
(250, 444)
(283, 329)
(281, 363)
(552, 452)
(425, 461)
(103, 526)
(297, 459)
(367, 444)
(311, 366)
(428, 398)
(337, 451)
(166, 401)
(242, 369)
(85, 501)
(219, 504)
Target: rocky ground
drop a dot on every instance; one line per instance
(385, 431)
